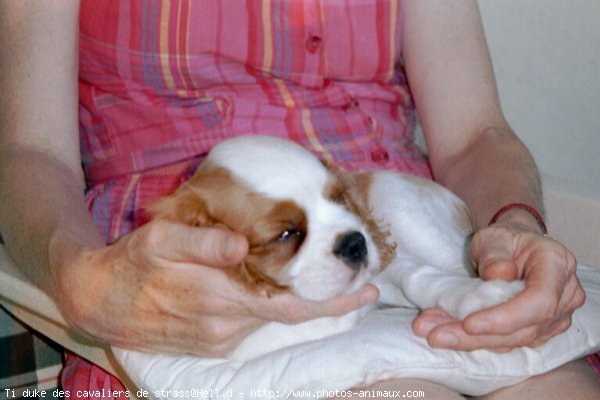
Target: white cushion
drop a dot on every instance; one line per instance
(382, 346)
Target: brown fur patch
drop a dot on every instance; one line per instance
(352, 190)
(214, 197)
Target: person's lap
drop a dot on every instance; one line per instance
(576, 380)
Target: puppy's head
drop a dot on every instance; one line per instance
(308, 228)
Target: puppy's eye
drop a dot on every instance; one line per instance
(289, 234)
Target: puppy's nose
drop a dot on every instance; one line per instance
(352, 249)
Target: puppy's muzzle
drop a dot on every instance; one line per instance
(351, 248)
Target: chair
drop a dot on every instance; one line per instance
(36, 309)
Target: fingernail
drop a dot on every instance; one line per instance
(425, 327)
(232, 247)
(446, 339)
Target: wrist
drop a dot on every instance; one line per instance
(66, 248)
(519, 216)
(82, 288)
(74, 261)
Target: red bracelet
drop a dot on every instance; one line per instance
(525, 207)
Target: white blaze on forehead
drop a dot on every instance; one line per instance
(275, 167)
(283, 170)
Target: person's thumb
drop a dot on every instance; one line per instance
(492, 257)
(213, 247)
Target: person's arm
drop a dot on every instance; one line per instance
(474, 152)
(152, 289)
(41, 178)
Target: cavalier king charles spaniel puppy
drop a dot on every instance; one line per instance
(319, 232)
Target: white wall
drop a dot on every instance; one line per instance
(546, 56)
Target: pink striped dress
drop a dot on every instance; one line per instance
(162, 81)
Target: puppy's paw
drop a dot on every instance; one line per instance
(482, 295)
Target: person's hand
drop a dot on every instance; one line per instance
(543, 310)
(163, 288)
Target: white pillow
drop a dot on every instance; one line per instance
(382, 346)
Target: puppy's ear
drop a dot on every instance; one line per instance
(330, 165)
(183, 206)
(355, 195)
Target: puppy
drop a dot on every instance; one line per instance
(319, 233)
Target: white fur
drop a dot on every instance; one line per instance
(283, 170)
(430, 268)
